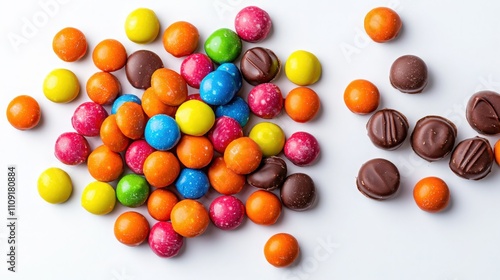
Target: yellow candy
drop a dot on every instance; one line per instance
(303, 68)
(61, 86)
(194, 117)
(269, 136)
(54, 185)
(98, 198)
(142, 26)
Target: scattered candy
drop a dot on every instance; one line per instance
(169, 86)
(243, 155)
(194, 151)
(431, 194)
(265, 100)
(224, 130)
(270, 175)
(361, 97)
(302, 148)
(263, 207)
(72, 148)
(189, 218)
(142, 26)
(237, 109)
(164, 241)
(161, 168)
(382, 24)
(408, 74)
(483, 111)
(152, 105)
(223, 45)
(259, 65)
(302, 104)
(195, 67)
(54, 185)
(112, 136)
(69, 44)
(270, 138)
(303, 68)
(98, 198)
(180, 38)
(192, 183)
(472, 158)
(433, 137)
(160, 204)
(232, 69)
(162, 132)
(136, 155)
(298, 192)
(88, 118)
(123, 99)
(378, 179)
(140, 67)
(131, 120)
(281, 249)
(252, 24)
(218, 88)
(109, 55)
(387, 129)
(131, 228)
(227, 212)
(103, 88)
(224, 180)
(23, 112)
(105, 165)
(194, 117)
(132, 190)
(61, 86)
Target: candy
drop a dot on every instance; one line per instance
(98, 198)
(23, 112)
(382, 24)
(195, 67)
(169, 86)
(180, 38)
(136, 154)
(54, 185)
(298, 192)
(472, 158)
(281, 249)
(142, 26)
(112, 136)
(252, 24)
(431, 194)
(303, 68)
(483, 112)
(109, 55)
(408, 74)
(218, 88)
(194, 151)
(122, 99)
(69, 44)
(223, 45)
(103, 88)
(131, 228)
(263, 207)
(61, 86)
(259, 65)
(433, 137)
(301, 148)
(162, 132)
(361, 97)
(232, 69)
(161, 168)
(227, 212)
(224, 130)
(88, 118)
(105, 165)
(141, 66)
(194, 117)
(378, 179)
(164, 241)
(237, 109)
(71, 148)
(224, 180)
(302, 104)
(387, 129)
(270, 138)
(192, 183)
(265, 100)
(270, 175)
(131, 120)
(160, 204)
(152, 105)
(243, 155)
(132, 190)
(189, 218)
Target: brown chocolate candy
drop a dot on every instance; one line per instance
(259, 65)
(433, 137)
(140, 67)
(387, 129)
(270, 175)
(472, 158)
(378, 179)
(408, 74)
(483, 112)
(298, 192)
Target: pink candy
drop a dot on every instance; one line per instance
(265, 100)
(72, 148)
(224, 131)
(195, 67)
(301, 148)
(136, 154)
(164, 241)
(227, 212)
(252, 24)
(88, 117)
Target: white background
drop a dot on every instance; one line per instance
(346, 235)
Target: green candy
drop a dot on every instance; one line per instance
(223, 45)
(132, 190)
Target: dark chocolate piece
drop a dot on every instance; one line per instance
(378, 179)
(387, 129)
(140, 67)
(408, 74)
(483, 112)
(259, 65)
(433, 137)
(270, 175)
(298, 192)
(472, 158)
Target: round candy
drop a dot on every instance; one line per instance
(243, 155)
(237, 109)
(103, 88)
(224, 130)
(302, 148)
(194, 117)
(408, 74)
(433, 137)
(142, 26)
(122, 99)
(431, 194)
(140, 67)
(112, 136)
(223, 45)
(164, 241)
(169, 86)
(361, 97)
(180, 38)
(162, 132)
(152, 105)
(109, 55)
(378, 179)
(131, 120)
(161, 169)
(270, 138)
(194, 151)
(160, 204)
(270, 175)
(98, 198)
(302, 104)
(54, 185)
(263, 207)
(496, 152)
(132, 190)
(382, 24)
(105, 165)
(189, 218)
(259, 65)
(131, 228)
(281, 249)
(218, 88)
(298, 192)
(136, 154)
(88, 118)
(483, 111)
(23, 112)
(69, 44)
(265, 100)
(192, 183)
(72, 148)
(232, 69)
(61, 86)
(195, 67)
(472, 158)
(387, 129)
(252, 24)
(303, 68)
(227, 212)
(223, 179)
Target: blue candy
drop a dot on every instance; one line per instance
(162, 132)
(237, 109)
(192, 183)
(122, 99)
(218, 88)
(232, 69)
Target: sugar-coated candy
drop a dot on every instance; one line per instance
(152, 105)
(169, 86)
(23, 112)
(88, 118)
(237, 109)
(142, 26)
(132, 190)
(54, 185)
(181, 38)
(140, 67)
(227, 212)
(302, 104)
(160, 203)
(232, 69)
(105, 165)
(162, 132)
(69, 44)
(243, 155)
(164, 241)
(263, 207)
(431, 194)
(252, 24)
(112, 136)
(131, 228)
(72, 148)
(136, 154)
(127, 97)
(189, 218)
(131, 120)
(269, 136)
(224, 180)
(382, 24)
(265, 100)
(195, 67)
(109, 55)
(195, 151)
(218, 88)
(98, 198)
(224, 130)
(302, 148)
(192, 183)
(281, 249)
(61, 86)
(103, 88)
(223, 45)
(361, 97)
(161, 168)
(303, 68)
(194, 117)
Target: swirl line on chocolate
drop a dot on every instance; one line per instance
(473, 152)
(472, 158)
(488, 119)
(387, 129)
(259, 65)
(390, 123)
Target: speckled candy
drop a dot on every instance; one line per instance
(192, 183)
(122, 99)
(88, 117)
(72, 148)
(162, 132)
(224, 131)
(195, 67)
(252, 24)
(265, 100)
(227, 212)
(164, 241)
(136, 154)
(237, 109)
(132, 190)
(218, 88)
(223, 45)
(232, 69)
(301, 148)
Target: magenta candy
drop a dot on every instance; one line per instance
(265, 100)
(195, 96)
(252, 24)
(224, 131)
(164, 241)
(301, 148)
(227, 212)
(195, 67)
(72, 148)
(88, 117)
(136, 154)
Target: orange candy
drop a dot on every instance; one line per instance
(263, 207)
(131, 228)
(103, 88)
(160, 204)
(431, 194)
(242, 155)
(152, 105)
(69, 44)
(195, 151)
(131, 120)
(23, 112)
(361, 97)
(161, 168)
(109, 55)
(180, 38)
(105, 165)
(223, 179)
(497, 152)
(281, 249)
(169, 86)
(112, 136)
(189, 218)
(382, 24)
(302, 104)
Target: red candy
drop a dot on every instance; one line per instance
(224, 131)
(136, 154)
(164, 241)
(72, 148)
(301, 148)
(88, 117)
(252, 24)
(265, 100)
(195, 67)
(227, 212)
